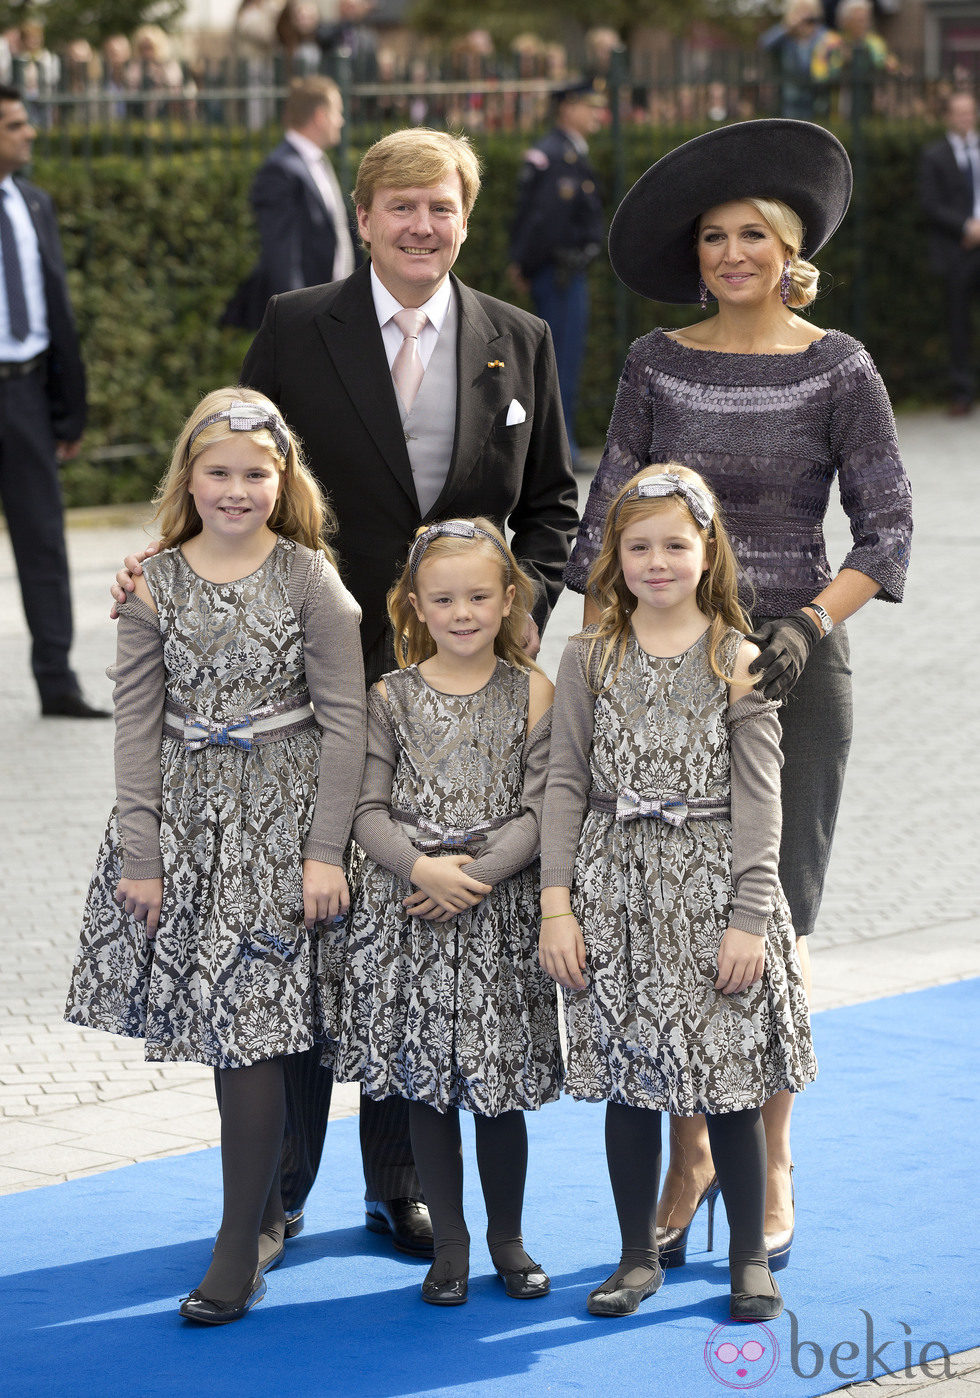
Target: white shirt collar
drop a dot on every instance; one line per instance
(308, 149)
(579, 142)
(385, 305)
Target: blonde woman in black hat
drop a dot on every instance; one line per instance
(770, 409)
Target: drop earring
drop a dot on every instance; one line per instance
(704, 293)
(785, 285)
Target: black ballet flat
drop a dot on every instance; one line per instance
(272, 1249)
(743, 1306)
(624, 1300)
(201, 1308)
(526, 1284)
(445, 1290)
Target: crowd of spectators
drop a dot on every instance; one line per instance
(803, 66)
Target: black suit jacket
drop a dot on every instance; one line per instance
(297, 239)
(65, 370)
(946, 195)
(319, 355)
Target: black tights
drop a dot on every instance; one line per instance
(738, 1148)
(501, 1154)
(253, 1116)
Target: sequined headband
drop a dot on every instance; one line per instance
(659, 487)
(248, 417)
(450, 529)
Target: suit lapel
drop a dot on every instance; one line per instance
(477, 391)
(34, 209)
(352, 336)
(957, 172)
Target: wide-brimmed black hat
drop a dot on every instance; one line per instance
(651, 238)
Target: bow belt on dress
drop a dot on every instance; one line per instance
(672, 807)
(431, 836)
(268, 724)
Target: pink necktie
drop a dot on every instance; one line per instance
(407, 369)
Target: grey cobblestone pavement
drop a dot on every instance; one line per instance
(900, 911)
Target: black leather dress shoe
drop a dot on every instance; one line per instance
(71, 706)
(527, 1284)
(294, 1222)
(408, 1222)
(201, 1308)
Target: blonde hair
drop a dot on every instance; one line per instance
(302, 511)
(418, 158)
(413, 643)
(717, 590)
(787, 225)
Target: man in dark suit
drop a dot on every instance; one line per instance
(305, 235)
(949, 188)
(482, 434)
(491, 442)
(42, 410)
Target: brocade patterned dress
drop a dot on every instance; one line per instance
(653, 901)
(230, 979)
(457, 1013)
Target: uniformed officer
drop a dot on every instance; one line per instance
(558, 229)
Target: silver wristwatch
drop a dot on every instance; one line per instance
(823, 616)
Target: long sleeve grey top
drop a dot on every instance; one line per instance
(756, 760)
(769, 433)
(505, 852)
(328, 618)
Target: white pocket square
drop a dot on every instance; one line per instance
(515, 414)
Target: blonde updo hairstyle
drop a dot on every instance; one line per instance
(717, 591)
(788, 228)
(302, 511)
(413, 642)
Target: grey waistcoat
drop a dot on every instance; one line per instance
(430, 427)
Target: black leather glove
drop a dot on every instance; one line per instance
(786, 643)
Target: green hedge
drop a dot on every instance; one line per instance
(154, 248)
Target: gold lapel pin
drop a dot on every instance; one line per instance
(495, 363)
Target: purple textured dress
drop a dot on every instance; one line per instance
(770, 433)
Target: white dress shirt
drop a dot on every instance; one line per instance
(385, 306)
(967, 152)
(11, 350)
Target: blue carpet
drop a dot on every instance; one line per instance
(886, 1144)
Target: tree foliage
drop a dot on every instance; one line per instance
(94, 20)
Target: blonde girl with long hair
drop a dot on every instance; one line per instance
(239, 685)
(444, 1002)
(662, 914)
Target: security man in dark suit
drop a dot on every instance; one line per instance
(304, 226)
(949, 189)
(558, 230)
(42, 410)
